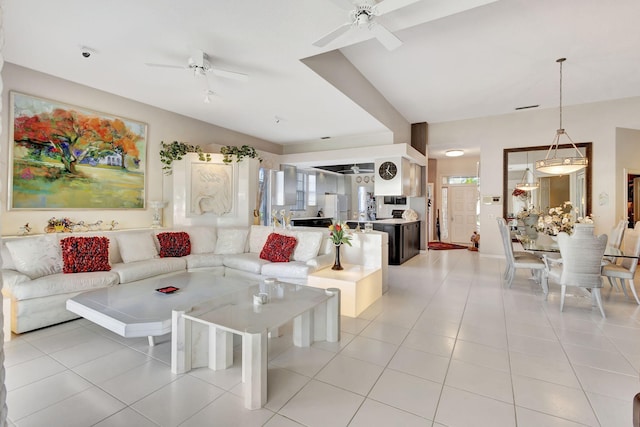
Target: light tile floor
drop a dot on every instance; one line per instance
(448, 345)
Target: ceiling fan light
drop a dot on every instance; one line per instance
(454, 153)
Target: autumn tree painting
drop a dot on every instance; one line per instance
(64, 157)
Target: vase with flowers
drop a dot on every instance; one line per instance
(529, 217)
(339, 235)
(561, 219)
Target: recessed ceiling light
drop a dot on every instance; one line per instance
(454, 153)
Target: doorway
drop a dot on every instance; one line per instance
(463, 212)
(632, 182)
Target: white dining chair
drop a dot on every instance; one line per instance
(581, 263)
(524, 260)
(625, 269)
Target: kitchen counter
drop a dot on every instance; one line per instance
(404, 237)
(393, 221)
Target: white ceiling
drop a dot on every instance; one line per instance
(485, 60)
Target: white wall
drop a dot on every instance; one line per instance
(162, 126)
(596, 122)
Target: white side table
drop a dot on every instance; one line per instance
(359, 286)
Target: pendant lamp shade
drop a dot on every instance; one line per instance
(552, 164)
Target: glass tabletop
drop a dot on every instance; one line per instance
(551, 246)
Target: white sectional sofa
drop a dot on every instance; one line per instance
(37, 288)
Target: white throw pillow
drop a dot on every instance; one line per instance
(137, 246)
(231, 241)
(36, 257)
(308, 245)
(203, 239)
(258, 237)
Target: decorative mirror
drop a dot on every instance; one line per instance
(553, 190)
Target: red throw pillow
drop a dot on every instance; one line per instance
(174, 244)
(84, 254)
(278, 248)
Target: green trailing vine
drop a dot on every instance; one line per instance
(228, 151)
(176, 151)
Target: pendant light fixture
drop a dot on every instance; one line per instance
(524, 183)
(555, 165)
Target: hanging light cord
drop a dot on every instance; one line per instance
(561, 60)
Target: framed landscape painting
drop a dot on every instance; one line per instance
(66, 157)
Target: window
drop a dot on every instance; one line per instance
(460, 180)
(311, 190)
(300, 192)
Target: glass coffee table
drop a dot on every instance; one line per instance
(315, 314)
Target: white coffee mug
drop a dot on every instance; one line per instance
(260, 298)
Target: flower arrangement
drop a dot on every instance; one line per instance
(521, 194)
(561, 219)
(339, 234)
(59, 225)
(284, 221)
(526, 213)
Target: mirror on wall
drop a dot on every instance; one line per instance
(554, 189)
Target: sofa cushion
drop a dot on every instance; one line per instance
(293, 269)
(204, 260)
(231, 241)
(36, 257)
(85, 254)
(258, 237)
(55, 284)
(136, 246)
(245, 262)
(175, 244)
(130, 272)
(278, 248)
(203, 239)
(308, 245)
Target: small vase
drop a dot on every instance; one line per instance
(336, 263)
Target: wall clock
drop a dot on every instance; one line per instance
(388, 170)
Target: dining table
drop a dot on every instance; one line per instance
(551, 246)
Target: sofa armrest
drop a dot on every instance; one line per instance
(10, 278)
(321, 261)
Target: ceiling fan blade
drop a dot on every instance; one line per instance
(323, 41)
(229, 74)
(387, 6)
(182, 67)
(386, 37)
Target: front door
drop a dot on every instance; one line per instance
(463, 202)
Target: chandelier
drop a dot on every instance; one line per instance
(524, 183)
(555, 165)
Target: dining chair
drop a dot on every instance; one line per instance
(522, 260)
(581, 263)
(615, 240)
(626, 268)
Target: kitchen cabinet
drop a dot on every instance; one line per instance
(404, 238)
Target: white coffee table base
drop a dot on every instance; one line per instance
(318, 323)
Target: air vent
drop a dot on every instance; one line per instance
(527, 107)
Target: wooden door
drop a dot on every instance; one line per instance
(463, 217)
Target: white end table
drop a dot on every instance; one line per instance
(359, 286)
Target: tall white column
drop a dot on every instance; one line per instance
(3, 388)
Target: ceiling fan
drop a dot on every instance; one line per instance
(199, 63)
(364, 17)
(356, 169)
